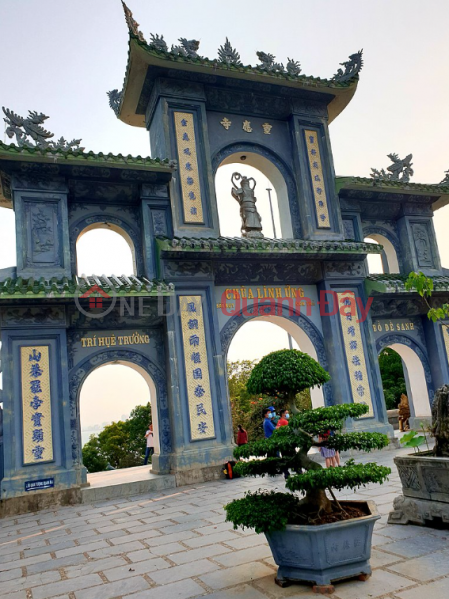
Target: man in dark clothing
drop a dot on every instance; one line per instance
(268, 426)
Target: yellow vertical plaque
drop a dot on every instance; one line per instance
(197, 369)
(355, 355)
(445, 331)
(36, 404)
(188, 167)
(317, 179)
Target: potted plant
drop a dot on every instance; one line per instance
(314, 537)
(425, 474)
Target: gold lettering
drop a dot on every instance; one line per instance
(228, 293)
(250, 294)
(259, 294)
(271, 292)
(412, 326)
(278, 291)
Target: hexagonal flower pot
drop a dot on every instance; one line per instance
(327, 552)
(425, 488)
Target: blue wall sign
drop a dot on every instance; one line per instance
(38, 485)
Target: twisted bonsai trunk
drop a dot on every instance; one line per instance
(317, 499)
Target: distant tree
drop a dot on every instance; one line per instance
(121, 444)
(392, 373)
(93, 458)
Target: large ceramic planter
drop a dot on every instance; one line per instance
(327, 552)
(425, 488)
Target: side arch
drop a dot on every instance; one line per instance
(224, 153)
(392, 247)
(112, 223)
(264, 312)
(413, 356)
(142, 364)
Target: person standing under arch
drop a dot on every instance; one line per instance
(150, 444)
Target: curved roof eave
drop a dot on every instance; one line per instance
(140, 57)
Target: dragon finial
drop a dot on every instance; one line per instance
(293, 67)
(30, 127)
(400, 170)
(115, 98)
(228, 54)
(445, 181)
(133, 25)
(267, 63)
(353, 66)
(158, 43)
(188, 48)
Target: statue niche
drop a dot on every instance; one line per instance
(251, 219)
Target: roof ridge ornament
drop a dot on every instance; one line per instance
(353, 66)
(157, 42)
(30, 127)
(268, 64)
(228, 54)
(293, 67)
(132, 24)
(400, 170)
(445, 180)
(115, 99)
(188, 48)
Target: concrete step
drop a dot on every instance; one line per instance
(128, 482)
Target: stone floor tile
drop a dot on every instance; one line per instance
(241, 592)
(10, 574)
(194, 554)
(54, 564)
(380, 583)
(416, 546)
(117, 550)
(174, 528)
(221, 579)
(173, 538)
(397, 531)
(380, 558)
(189, 570)
(138, 536)
(244, 542)
(81, 548)
(25, 582)
(147, 566)
(176, 590)
(47, 591)
(19, 563)
(215, 528)
(433, 590)
(114, 589)
(166, 549)
(98, 565)
(219, 537)
(425, 568)
(245, 555)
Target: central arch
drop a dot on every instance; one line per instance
(417, 373)
(391, 255)
(301, 328)
(275, 169)
(156, 381)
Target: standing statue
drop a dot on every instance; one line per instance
(251, 219)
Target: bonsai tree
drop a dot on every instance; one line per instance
(286, 373)
(440, 405)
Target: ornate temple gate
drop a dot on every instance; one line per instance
(200, 113)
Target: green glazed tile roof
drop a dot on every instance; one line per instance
(234, 245)
(12, 151)
(20, 288)
(395, 283)
(346, 182)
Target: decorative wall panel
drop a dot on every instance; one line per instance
(196, 367)
(317, 179)
(355, 355)
(36, 404)
(188, 167)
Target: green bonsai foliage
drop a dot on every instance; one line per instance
(288, 447)
(286, 373)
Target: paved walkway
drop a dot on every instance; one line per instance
(175, 544)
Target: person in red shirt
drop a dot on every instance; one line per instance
(242, 436)
(283, 420)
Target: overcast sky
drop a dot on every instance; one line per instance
(61, 58)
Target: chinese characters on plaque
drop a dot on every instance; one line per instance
(246, 126)
(196, 367)
(355, 355)
(317, 179)
(36, 405)
(188, 167)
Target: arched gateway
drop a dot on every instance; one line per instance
(191, 287)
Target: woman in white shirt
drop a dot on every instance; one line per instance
(150, 443)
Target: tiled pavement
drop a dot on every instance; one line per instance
(176, 544)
